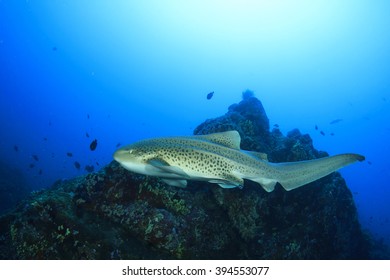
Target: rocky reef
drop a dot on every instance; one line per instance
(116, 214)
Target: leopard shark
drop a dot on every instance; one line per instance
(217, 158)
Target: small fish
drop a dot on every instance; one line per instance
(210, 95)
(93, 145)
(77, 165)
(322, 133)
(44, 138)
(276, 125)
(89, 168)
(69, 154)
(97, 163)
(87, 135)
(335, 121)
(118, 145)
(88, 116)
(32, 165)
(54, 49)
(369, 162)
(16, 148)
(40, 172)
(316, 127)
(35, 157)
(332, 134)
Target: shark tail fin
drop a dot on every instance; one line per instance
(292, 175)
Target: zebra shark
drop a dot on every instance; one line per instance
(217, 158)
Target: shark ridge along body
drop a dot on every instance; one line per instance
(217, 158)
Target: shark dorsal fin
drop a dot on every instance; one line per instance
(230, 139)
(257, 155)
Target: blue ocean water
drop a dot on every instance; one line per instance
(121, 71)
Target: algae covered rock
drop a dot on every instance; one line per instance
(116, 214)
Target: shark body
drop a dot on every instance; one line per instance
(217, 158)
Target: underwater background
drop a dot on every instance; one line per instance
(120, 71)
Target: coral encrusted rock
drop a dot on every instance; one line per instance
(117, 214)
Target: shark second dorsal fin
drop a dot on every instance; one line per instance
(230, 139)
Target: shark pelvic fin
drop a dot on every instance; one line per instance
(229, 181)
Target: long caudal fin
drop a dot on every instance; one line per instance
(292, 175)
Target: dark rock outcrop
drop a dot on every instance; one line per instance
(116, 214)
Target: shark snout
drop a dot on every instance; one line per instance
(120, 155)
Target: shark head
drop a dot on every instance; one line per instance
(147, 157)
(134, 158)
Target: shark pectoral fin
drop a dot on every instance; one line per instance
(166, 168)
(175, 183)
(156, 162)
